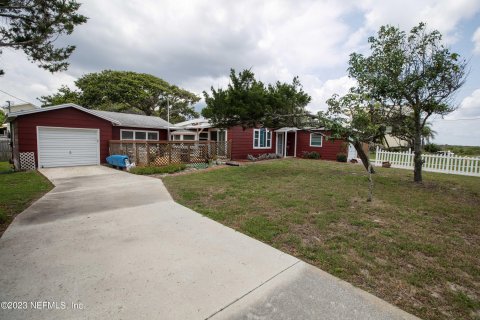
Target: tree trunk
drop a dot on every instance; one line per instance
(417, 148)
(363, 156)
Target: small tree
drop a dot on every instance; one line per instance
(2, 116)
(247, 102)
(33, 26)
(413, 75)
(358, 120)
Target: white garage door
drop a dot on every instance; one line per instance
(63, 147)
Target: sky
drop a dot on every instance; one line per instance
(193, 44)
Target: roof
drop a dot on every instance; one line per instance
(287, 129)
(135, 120)
(198, 123)
(116, 118)
(182, 132)
(12, 115)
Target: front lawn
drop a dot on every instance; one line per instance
(416, 246)
(17, 191)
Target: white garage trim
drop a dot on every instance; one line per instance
(57, 155)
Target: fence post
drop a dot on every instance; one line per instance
(377, 150)
(148, 154)
(169, 149)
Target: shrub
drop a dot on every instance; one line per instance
(172, 168)
(432, 148)
(341, 157)
(311, 155)
(263, 156)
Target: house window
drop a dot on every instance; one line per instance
(203, 136)
(127, 135)
(316, 140)
(138, 135)
(262, 138)
(152, 135)
(188, 137)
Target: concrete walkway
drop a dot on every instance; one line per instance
(105, 244)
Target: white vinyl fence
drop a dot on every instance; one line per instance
(431, 162)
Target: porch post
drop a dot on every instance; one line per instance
(295, 148)
(276, 142)
(285, 144)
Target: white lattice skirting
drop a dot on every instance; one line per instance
(27, 161)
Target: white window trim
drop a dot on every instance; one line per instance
(321, 140)
(218, 130)
(146, 134)
(269, 141)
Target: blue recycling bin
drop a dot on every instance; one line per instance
(120, 161)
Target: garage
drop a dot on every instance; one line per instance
(62, 147)
(70, 135)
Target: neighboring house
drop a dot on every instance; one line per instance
(286, 142)
(68, 135)
(5, 127)
(390, 141)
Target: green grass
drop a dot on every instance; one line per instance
(17, 191)
(416, 246)
(5, 167)
(172, 168)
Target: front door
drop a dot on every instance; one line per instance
(280, 144)
(352, 152)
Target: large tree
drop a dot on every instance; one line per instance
(248, 102)
(413, 75)
(33, 26)
(129, 92)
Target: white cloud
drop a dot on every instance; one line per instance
(26, 81)
(469, 107)
(476, 41)
(322, 91)
(442, 15)
(454, 129)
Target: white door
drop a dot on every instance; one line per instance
(64, 147)
(280, 144)
(352, 152)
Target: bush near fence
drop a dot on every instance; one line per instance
(452, 164)
(155, 153)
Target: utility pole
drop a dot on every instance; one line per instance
(168, 120)
(8, 106)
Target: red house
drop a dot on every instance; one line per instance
(286, 142)
(70, 135)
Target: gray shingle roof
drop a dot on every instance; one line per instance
(135, 120)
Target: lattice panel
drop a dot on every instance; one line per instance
(164, 153)
(27, 161)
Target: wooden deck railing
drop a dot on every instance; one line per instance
(161, 153)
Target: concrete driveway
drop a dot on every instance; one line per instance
(105, 244)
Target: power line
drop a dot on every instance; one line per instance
(476, 118)
(11, 95)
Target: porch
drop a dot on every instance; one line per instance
(286, 142)
(161, 153)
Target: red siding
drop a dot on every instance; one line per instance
(162, 133)
(242, 143)
(66, 117)
(328, 150)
